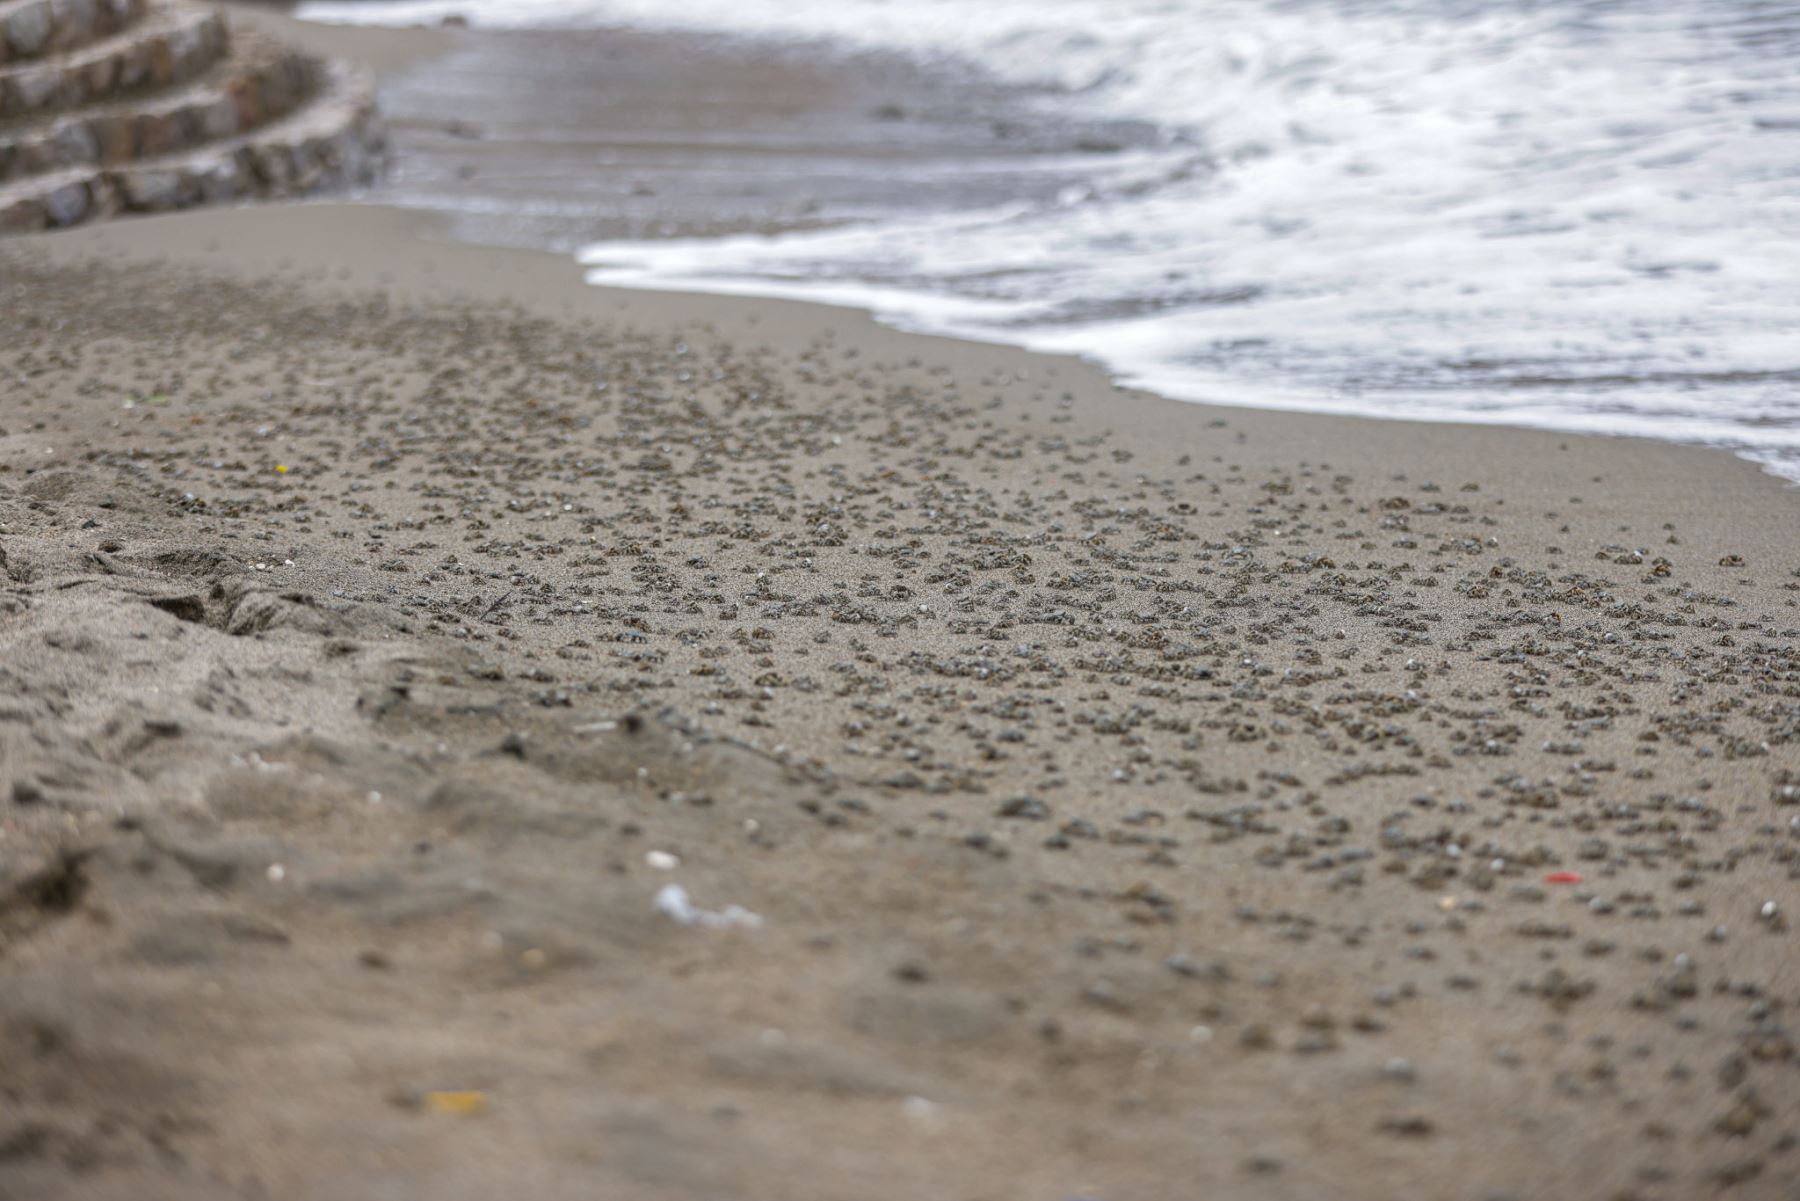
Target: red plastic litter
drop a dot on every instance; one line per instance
(1563, 878)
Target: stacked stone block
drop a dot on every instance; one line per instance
(118, 106)
(34, 28)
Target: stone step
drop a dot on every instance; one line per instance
(172, 44)
(34, 28)
(337, 140)
(259, 82)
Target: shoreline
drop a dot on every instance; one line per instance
(696, 139)
(646, 179)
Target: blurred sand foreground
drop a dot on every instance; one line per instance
(407, 654)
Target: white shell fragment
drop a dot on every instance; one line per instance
(673, 901)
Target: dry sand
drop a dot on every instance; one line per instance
(1140, 800)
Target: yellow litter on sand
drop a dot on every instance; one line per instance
(282, 468)
(456, 1104)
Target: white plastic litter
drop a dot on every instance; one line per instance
(673, 900)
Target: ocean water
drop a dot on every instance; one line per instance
(1573, 214)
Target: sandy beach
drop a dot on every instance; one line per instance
(466, 733)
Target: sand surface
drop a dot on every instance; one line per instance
(1122, 799)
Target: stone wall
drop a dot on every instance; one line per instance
(122, 106)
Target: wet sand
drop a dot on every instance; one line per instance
(1135, 800)
(559, 138)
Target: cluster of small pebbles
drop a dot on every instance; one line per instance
(1130, 803)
